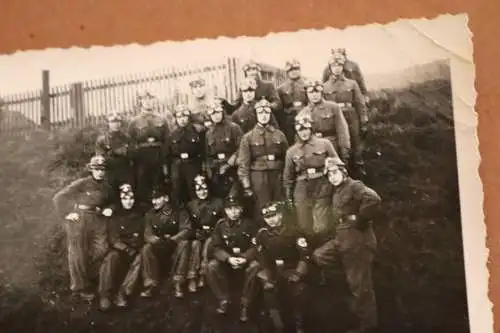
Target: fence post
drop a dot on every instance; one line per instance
(45, 100)
(76, 100)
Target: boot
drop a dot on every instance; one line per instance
(244, 313)
(104, 303)
(192, 286)
(299, 325)
(201, 282)
(121, 300)
(87, 296)
(178, 290)
(276, 319)
(148, 292)
(223, 305)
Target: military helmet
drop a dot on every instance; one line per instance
(313, 85)
(292, 64)
(333, 164)
(145, 93)
(303, 121)
(251, 65)
(97, 162)
(126, 191)
(247, 84)
(197, 82)
(232, 201)
(215, 106)
(158, 192)
(264, 105)
(115, 117)
(339, 50)
(182, 110)
(200, 183)
(271, 208)
(336, 59)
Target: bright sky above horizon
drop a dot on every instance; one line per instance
(377, 48)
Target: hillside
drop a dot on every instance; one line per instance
(419, 272)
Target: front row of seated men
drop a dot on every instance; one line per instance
(211, 242)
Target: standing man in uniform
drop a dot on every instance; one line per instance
(264, 89)
(200, 103)
(346, 93)
(283, 258)
(303, 176)
(245, 115)
(233, 251)
(167, 233)
(293, 98)
(185, 150)
(354, 243)
(222, 141)
(114, 146)
(148, 134)
(351, 70)
(204, 211)
(86, 224)
(327, 119)
(261, 159)
(126, 237)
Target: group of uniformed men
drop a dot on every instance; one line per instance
(259, 188)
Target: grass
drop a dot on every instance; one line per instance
(418, 274)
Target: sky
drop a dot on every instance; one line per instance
(377, 48)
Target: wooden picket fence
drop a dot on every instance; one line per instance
(86, 103)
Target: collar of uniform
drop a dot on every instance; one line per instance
(346, 182)
(320, 104)
(263, 128)
(334, 78)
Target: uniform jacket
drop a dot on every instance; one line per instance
(222, 142)
(234, 238)
(263, 148)
(185, 143)
(167, 222)
(246, 117)
(148, 130)
(292, 92)
(328, 120)
(305, 159)
(278, 248)
(199, 109)
(204, 215)
(344, 90)
(86, 191)
(351, 71)
(126, 228)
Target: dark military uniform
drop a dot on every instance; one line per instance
(185, 152)
(204, 214)
(328, 122)
(346, 93)
(354, 244)
(306, 185)
(167, 234)
(231, 238)
(283, 264)
(351, 71)
(87, 236)
(260, 163)
(148, 133)
(221, 147)
(199, 108)
(246, 118)
(114, 146)
(293, 98)
(126, 237)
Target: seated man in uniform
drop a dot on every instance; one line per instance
(283, 258)
(167, 234)
(233, 251)
(205, 211)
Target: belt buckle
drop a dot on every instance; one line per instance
(221, 156)
(297, 103)
(151, 139)
(279, 262)
(318, 134)
(205, 227)
(135, 234)
(271, 157)
(236, 250)
(184, 156)
(311, 171)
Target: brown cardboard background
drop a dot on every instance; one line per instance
(32, 24)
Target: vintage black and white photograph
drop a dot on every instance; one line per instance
(304, 181)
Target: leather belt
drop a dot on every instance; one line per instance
(88, 208)
(345, 105)
(310, 174)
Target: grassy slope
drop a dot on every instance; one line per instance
(419, 275)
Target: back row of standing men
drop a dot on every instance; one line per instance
(271, 145)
